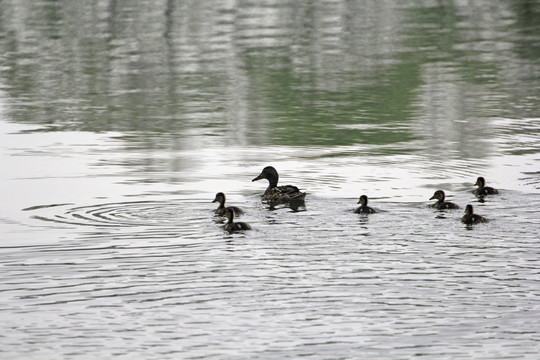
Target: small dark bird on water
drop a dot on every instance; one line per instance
(278, 193)
(220, 197)
(470, 217)
(232, 226)
(482, 189)
(364, 208)
(441, 204)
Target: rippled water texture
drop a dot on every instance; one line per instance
(121, 120)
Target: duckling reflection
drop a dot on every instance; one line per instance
(232, 226)
(278, 193)
(220, 197)
(482, 189)
(441, 204)
(470, 217)
(364, 208)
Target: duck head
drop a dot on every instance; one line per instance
(439, 195)
(363, 200)
(270, 174)
(480, 182)
(229, 214)
(220, 197)
(469, 209)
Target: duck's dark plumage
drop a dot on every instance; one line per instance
(278, 193)
(364, 208)
(470, 217)
(232, 226)
(441, 204)
(482, 189)
(220, 197)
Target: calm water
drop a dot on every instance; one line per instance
(120, 120)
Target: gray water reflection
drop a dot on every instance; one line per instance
(120, 120)
(382, 286)
(273, 73)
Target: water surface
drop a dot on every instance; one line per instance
(120, 120)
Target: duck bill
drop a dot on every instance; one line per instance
(433, 197)
(258, 177)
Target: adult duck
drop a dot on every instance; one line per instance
(364, 208)
(441, 204)
(232, 226)
(470, 217)
(220, 197)
(482, 189)
(278, 193)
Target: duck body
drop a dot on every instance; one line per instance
(470, 217)
(232, 226)
(237, 226)
(283, 193)
(220, 197)
(482, 189)
(364, 208)
(439, 195)
(445, 205)
(278, 193)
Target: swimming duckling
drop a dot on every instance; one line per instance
(278, 193)
(220, 197)
(441, 204)
(231, 226)
(470, 218)
(483, 189)
(364, 209)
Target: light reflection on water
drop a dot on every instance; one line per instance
(154, 266)
(404, 274)
(166, 275)
(119, 121)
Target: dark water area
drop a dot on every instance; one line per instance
(121, 120)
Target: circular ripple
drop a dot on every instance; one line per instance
(121, 214)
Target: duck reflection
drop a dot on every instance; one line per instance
(295, 205)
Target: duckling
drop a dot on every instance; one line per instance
(364, 209)
(483, 189)
(231, 226)
(441, 204)
(278, 193)
(220, 197)
(470, 218)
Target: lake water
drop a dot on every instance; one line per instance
(121, 120)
